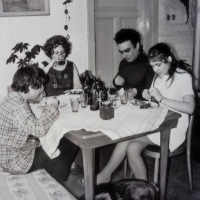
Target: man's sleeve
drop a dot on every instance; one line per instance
(149, 74)
(117, 86)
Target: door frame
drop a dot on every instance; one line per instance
(91, 31)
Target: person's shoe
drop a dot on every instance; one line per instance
(76, 170)
(82, 182)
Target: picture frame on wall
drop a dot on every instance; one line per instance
(9, 8)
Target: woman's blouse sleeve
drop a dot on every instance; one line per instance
(77, 82)
(185, 84)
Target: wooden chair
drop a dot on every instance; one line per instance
(154, 151)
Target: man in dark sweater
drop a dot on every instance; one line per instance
(135, 74)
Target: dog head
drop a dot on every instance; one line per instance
(136, 189)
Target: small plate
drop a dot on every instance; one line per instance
(76, 91)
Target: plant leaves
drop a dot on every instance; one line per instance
(36, 49)
(45, 63)
(11, 58)
(25, 46)
(29, 55)
(21, 63)
(20, 47)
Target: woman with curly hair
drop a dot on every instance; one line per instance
(63, 74)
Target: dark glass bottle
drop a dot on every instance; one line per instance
(104, 94)
(94, 103)
(86, 85)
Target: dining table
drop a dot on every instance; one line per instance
(87, 130)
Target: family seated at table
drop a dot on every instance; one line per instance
(171, 86)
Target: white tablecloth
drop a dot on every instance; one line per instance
(128, 120)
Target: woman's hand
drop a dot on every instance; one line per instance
(156, 93)
(146, 94)
(53, 63)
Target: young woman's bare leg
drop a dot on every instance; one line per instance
(134, 157)
(117, 157)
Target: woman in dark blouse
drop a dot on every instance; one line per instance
(63, 74)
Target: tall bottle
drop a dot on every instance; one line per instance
(94, 103)
(104, 94)
(86, 86)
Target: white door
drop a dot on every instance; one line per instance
(112, 15)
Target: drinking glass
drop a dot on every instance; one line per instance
(84, 100)
(124, 98)
(74, 104)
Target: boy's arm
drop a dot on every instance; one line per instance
(27, 122)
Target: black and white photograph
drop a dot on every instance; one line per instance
(99, 99)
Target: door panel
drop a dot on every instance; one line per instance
(104, 57)
(116, 3)
(110, 17)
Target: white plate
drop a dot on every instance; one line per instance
(76, 91)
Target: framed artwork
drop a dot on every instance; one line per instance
(24, 7)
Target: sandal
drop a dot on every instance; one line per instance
(82, 182)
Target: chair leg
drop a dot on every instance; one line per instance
(156, 168)
(125, 167)
(189, 171)
(130, 173)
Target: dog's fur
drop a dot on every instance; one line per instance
(126, 189)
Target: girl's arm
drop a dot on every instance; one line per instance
(186, 106)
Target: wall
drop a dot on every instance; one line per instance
(36, 29)
(176, 32)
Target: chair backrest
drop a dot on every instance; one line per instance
(154, 150)
(189, 133)
(186, 146)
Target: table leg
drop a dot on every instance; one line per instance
(88, 164)
(164, 162)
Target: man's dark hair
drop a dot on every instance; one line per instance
(28, 76)
(128, 34)
(54, 41)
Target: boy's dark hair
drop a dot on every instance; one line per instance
(54, 41)
(28, 76)
(128, 34)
